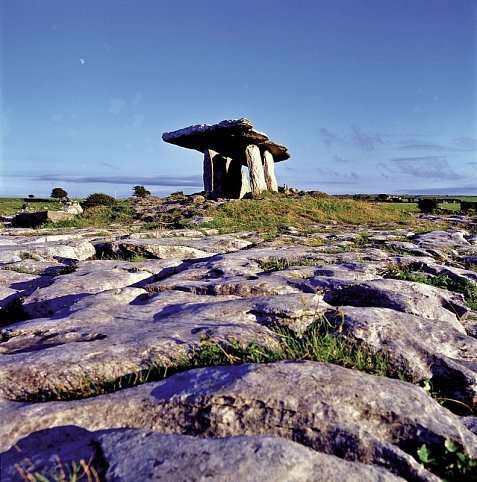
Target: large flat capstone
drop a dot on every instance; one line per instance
(229, 137)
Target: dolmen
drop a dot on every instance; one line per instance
(227, 147)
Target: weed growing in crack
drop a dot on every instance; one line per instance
(321, 342)
(278, 264)
(449, 462)
(81, 471)
(458, 284)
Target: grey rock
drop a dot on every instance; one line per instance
(470, 423)
(131, 455)
(333, 410)
(470, 260)
(75, 249)
(36, 219)
(442, 239)
(91, 277)
(426, 348)
(406, 296)
(14, 287)
(123, 331)
(179, 248)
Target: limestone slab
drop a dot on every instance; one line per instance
(333, 410)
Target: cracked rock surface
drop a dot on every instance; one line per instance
(69, 313)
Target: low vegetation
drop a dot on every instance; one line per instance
(100, 217)
(459, 284)
(275, 212)
(98, 199)
(81, 471)
(449, 462)
(12, 206)
(321, 342)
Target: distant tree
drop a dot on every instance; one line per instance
(382, 197)
(31, 196)
(98, 199)
(467, 206)
(58, 193)
(427, 205)
(141, 191)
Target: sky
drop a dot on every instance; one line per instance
(369, 96)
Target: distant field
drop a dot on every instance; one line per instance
(12, 205)
(467, 198)
(412, 207)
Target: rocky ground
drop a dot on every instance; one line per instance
(92, 305)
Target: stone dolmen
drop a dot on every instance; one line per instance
(227, 146)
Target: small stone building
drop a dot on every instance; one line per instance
(229, 146)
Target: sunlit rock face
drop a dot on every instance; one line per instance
(74, 308)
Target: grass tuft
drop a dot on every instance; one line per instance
(459, 284)
(275, 212)
(321, 342)
(81, 471)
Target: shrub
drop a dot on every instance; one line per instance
(427, 205)
(466, 206)
(98, 199)
(140, 191)
(58, 193)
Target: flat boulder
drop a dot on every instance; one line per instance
(333, 410)
(130, 455)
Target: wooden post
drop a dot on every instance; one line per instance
(269, 171)
(255, 168)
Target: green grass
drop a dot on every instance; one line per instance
(412, 207)
(458, 284)
(10, 206)
(320, 343)
(81, 471)
(278, 264)
(122, 256)
(100, 217)
(276, 212)
(448, 461)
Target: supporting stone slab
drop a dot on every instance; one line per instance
(255, 167)
(208, 170)
(244, 185)
(269, 171)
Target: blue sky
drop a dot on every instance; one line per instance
(368, 95)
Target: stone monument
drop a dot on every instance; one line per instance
(227, 147)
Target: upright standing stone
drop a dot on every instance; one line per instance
(208, 171)
(244, 185)
(269, 171)
(219, 165)
(255, 168)
(233, 179)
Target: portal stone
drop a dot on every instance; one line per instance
(269, 172)
(255, 168)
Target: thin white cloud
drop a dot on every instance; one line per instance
(466, 143)
(185, 181)
(357, 139)
(116, 105)
(429, 167)
(341, 160)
